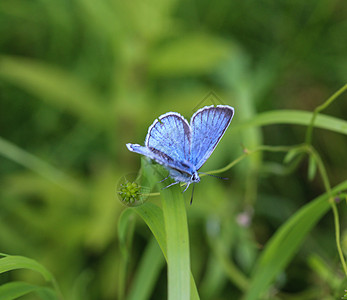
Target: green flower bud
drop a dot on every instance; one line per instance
(130, 192)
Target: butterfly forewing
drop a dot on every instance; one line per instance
(171, 136)
(208, 126)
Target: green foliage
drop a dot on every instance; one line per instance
(80, 79)
(15, 289)
(283, 245)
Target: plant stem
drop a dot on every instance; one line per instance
(249, 152)
(321, 108)
(337, 234)
(323, 172)
(326, 182)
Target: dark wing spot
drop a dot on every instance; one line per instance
(161, 154)
(185, 165)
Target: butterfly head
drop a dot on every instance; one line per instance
(195, 177)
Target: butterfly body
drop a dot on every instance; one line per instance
(184, 147)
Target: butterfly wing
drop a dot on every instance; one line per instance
(208, 125)
(159, 157)
(168, 142)
(170, 134)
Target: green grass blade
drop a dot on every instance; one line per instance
(9, 263)
(126, 226)
(153, 217)
(148, 271)
(286, 242)
(13, 290)
(177, 239)
(294, 117)
(16, 289)
(123, 230)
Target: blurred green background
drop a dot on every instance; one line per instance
(81, 78)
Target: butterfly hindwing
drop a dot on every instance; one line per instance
(208, 126)
(157, 156)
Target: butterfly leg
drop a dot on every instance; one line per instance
(164, 178)
(170, 185)
(186, 187)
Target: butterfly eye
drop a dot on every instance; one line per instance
(195, 177)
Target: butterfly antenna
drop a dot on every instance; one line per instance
(191, 199)
(224, 178)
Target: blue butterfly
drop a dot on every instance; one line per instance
(183, 148)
